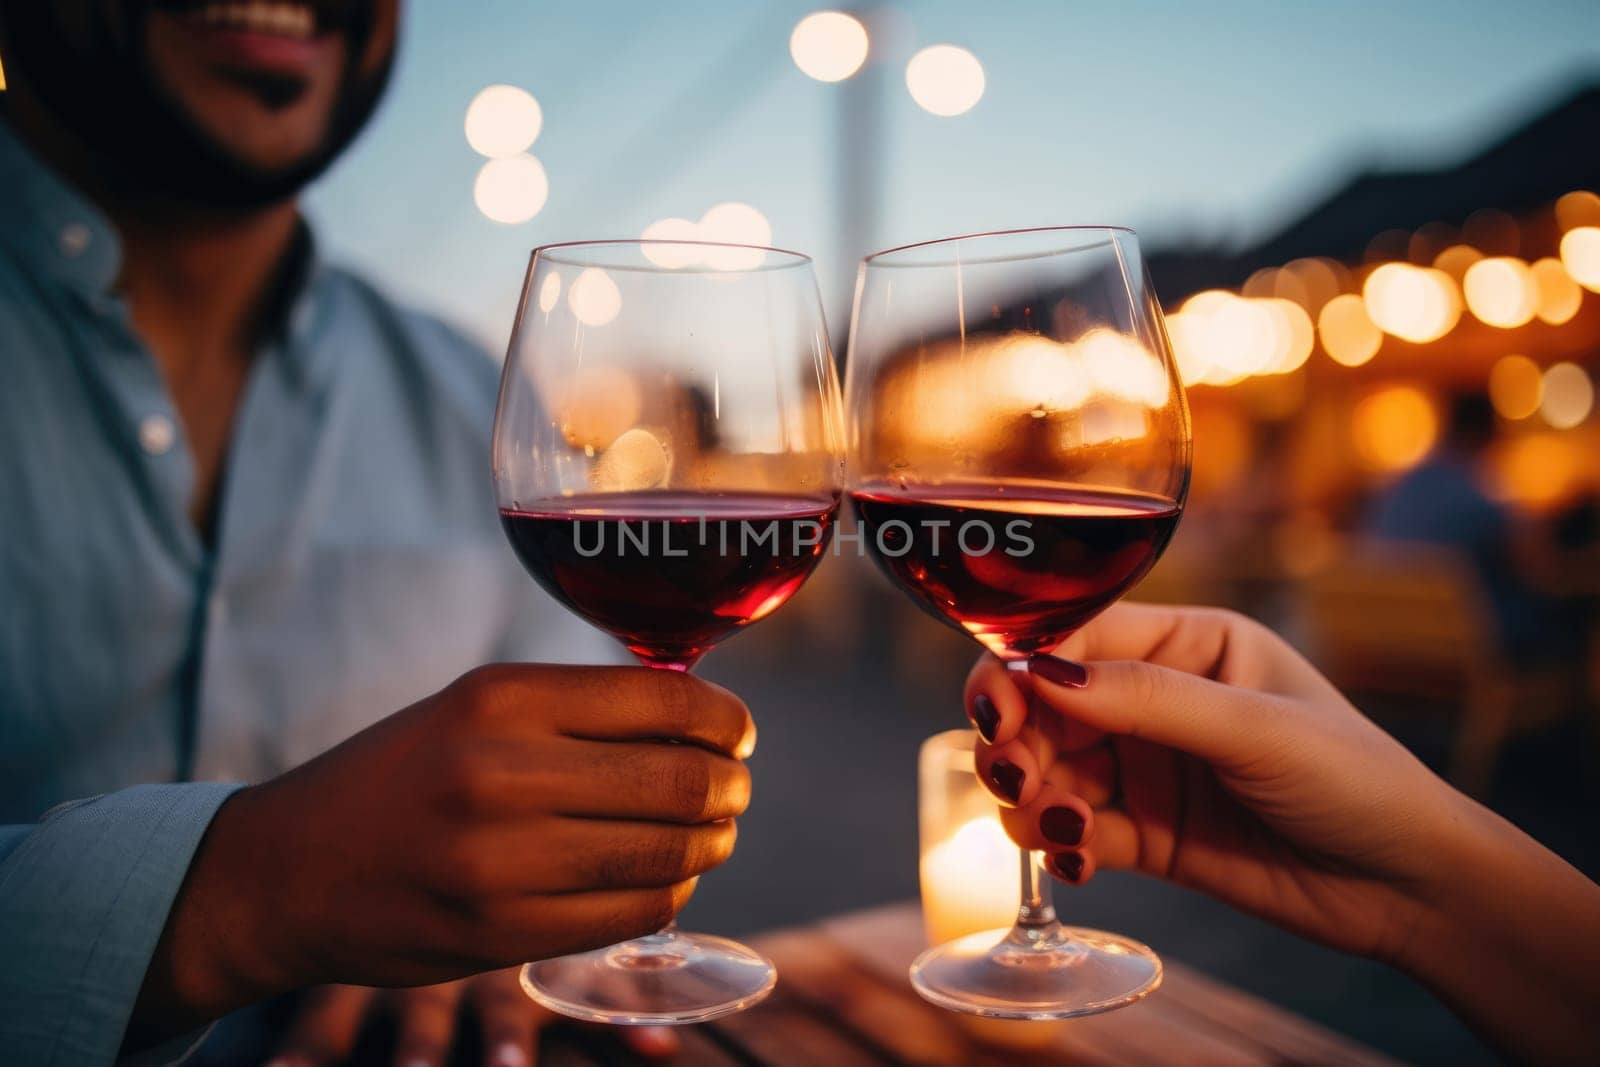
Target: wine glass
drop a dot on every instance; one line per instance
(1019, 456)
(668, 460)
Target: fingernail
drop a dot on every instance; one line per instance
(1007, 779)
(1064, 826)
(1067, 865)
(1059, 671)
(509, 1054)
(985, 717)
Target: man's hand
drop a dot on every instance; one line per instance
(523, 812)
(331, 1018)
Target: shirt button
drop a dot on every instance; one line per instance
(75, 238)
(156, 434)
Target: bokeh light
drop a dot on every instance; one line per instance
(503, 121)
(1394, 428)
(1559, 296)
(1501, 291)
(1537, 469)
(1349, 336)
(1294, 336)
(550, 292)
(511, 190)
(1417, 304)
(1319, 279)
(1515, 385)
(1567, 397)
(829, 45)
(1578, 208)
(1580, 254)
(672, 256)
(1456, 260)
(734, 223)
(1122, 367)
(945, 80)
(594, 298)
(596, 406)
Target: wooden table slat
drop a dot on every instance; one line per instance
(1191, 1019)
(1147, 1032)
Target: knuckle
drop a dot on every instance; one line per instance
(674, 699)
(688, 785)
(480, 693)
(665, 858)
(466, 788)
(1146, 685)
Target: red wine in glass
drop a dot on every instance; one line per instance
(1020, 571)
(669, 574)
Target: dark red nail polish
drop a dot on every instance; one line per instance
(1006, 777)
(1067, 865)
(1064, 826)
(1059, 671)
(985, 717)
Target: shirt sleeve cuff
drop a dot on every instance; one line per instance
(83, 900)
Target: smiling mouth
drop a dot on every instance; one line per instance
(295, 22)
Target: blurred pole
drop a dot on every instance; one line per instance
(859, 141)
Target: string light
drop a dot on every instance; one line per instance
(1501, 291)
(1559, 296)
(1394, 428)
(1515, 386)
(511, 190)
(503, 121)
(1417, 304)
(945, 80)
(1580, 254)
(1567, 396)
(735, 223)
(829, 45)
(594, 298)
(1349, 335)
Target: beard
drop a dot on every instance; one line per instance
(97, 82)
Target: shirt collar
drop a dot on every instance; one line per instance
(54, 228)
(61, 234)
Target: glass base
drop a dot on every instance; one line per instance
(1055, 974)
(661, 980)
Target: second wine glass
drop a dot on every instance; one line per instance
(1019, 457)
(667, 460)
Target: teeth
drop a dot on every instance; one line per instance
(284, 20)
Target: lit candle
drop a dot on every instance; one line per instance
(969, 881)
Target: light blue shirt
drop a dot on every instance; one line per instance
(358, 565)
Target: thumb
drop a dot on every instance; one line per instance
(1224, 725)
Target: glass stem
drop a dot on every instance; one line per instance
(1037, 909)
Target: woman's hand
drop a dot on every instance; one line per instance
(523, 812)
(1203, 750)
(1196, 746)
(331, 1018)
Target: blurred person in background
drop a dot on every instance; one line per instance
(1441, 502)
(247, 518)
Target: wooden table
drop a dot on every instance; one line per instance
(843, 1000)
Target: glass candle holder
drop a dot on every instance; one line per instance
(969, 868)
